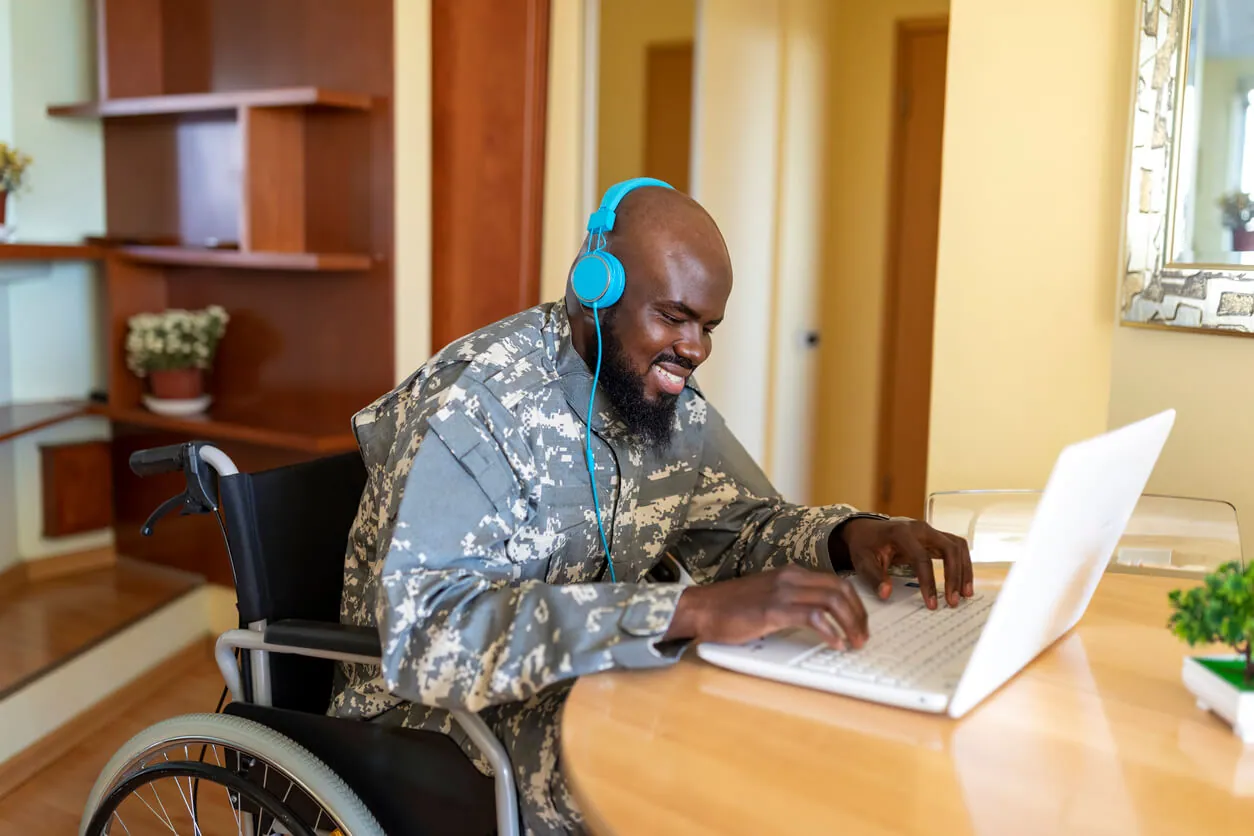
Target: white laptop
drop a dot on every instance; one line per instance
(948, 660)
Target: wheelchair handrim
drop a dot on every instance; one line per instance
(250, 739)
(203, 771)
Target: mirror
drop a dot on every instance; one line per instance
(1189, 245)
(1215, 148)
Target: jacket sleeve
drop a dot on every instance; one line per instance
(460, 627)
(738, 523)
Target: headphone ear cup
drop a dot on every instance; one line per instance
(598, 279)
(618, 281)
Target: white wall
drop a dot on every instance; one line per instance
(734, 175)
(52, 332)
(9, 553)
(412, 130)
(8, 476)
(800, 259)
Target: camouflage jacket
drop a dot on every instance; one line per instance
(476, 550)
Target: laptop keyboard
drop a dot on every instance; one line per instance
(908, 648)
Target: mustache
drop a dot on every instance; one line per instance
(675, 360)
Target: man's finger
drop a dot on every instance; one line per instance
(851, 617)
(906, 542)
(872, 571)
(953, 567)
(953, 572)
(824, 624)
(964, 559)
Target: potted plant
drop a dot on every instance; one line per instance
(1220, 611)
(1238, 211)
(13, 165)
(173, 350)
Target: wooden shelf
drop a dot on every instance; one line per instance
(201, 257)
(21, 418)
(207, 102)
(31, 251)
(259, 427)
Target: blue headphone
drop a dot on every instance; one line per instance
(599, 277)
(598, 281)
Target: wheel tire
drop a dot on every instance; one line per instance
(281, 753)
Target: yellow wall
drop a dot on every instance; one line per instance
(1035, 136)
(627, 28)
(1206, 379)
(564, 212)
(847, 415)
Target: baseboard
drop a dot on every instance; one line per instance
(57, 566)
(46, 719)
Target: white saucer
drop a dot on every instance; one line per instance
(179, 407)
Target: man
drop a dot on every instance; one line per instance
(479, 554)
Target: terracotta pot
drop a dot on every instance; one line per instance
(1242, 239)
(177, 384)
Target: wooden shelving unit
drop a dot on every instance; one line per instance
(17, 419)
(213, 102)
(260, 427)
(266, 127)
(49, 252)
(205, 257)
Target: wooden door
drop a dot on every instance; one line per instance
(913, 226)
(668, 113)
(489, 76)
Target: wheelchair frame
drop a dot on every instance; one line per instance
(199, 498)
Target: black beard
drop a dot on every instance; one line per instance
(650, 421)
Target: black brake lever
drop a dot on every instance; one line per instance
(198, 497)
(171, 505)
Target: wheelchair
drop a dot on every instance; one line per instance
(272, 761)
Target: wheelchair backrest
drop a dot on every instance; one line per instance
(287, 529)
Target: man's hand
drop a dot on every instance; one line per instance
(876, 544)
(743, 609)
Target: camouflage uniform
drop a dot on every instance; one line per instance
(477, 553)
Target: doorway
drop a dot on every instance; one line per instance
(644, 91)
(913, 227)
(668, 112)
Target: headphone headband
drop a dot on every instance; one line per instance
(602, 220)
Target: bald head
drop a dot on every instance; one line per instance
(678, 279)
(662, 235)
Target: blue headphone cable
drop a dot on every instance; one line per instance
(596, 503)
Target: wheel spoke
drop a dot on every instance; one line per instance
(164, 819)
(187, 802)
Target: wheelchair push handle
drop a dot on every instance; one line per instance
(195, 459)
(158, 460)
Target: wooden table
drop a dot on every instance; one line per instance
(1098, 735)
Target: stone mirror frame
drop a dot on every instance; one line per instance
(1182, 269)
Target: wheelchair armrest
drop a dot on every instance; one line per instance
(322, 635)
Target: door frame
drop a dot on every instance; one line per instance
(888, 331)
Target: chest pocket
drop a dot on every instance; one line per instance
(568, 507)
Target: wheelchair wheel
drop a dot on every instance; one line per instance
(206, 774)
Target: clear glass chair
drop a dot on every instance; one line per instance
(1166, 534)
